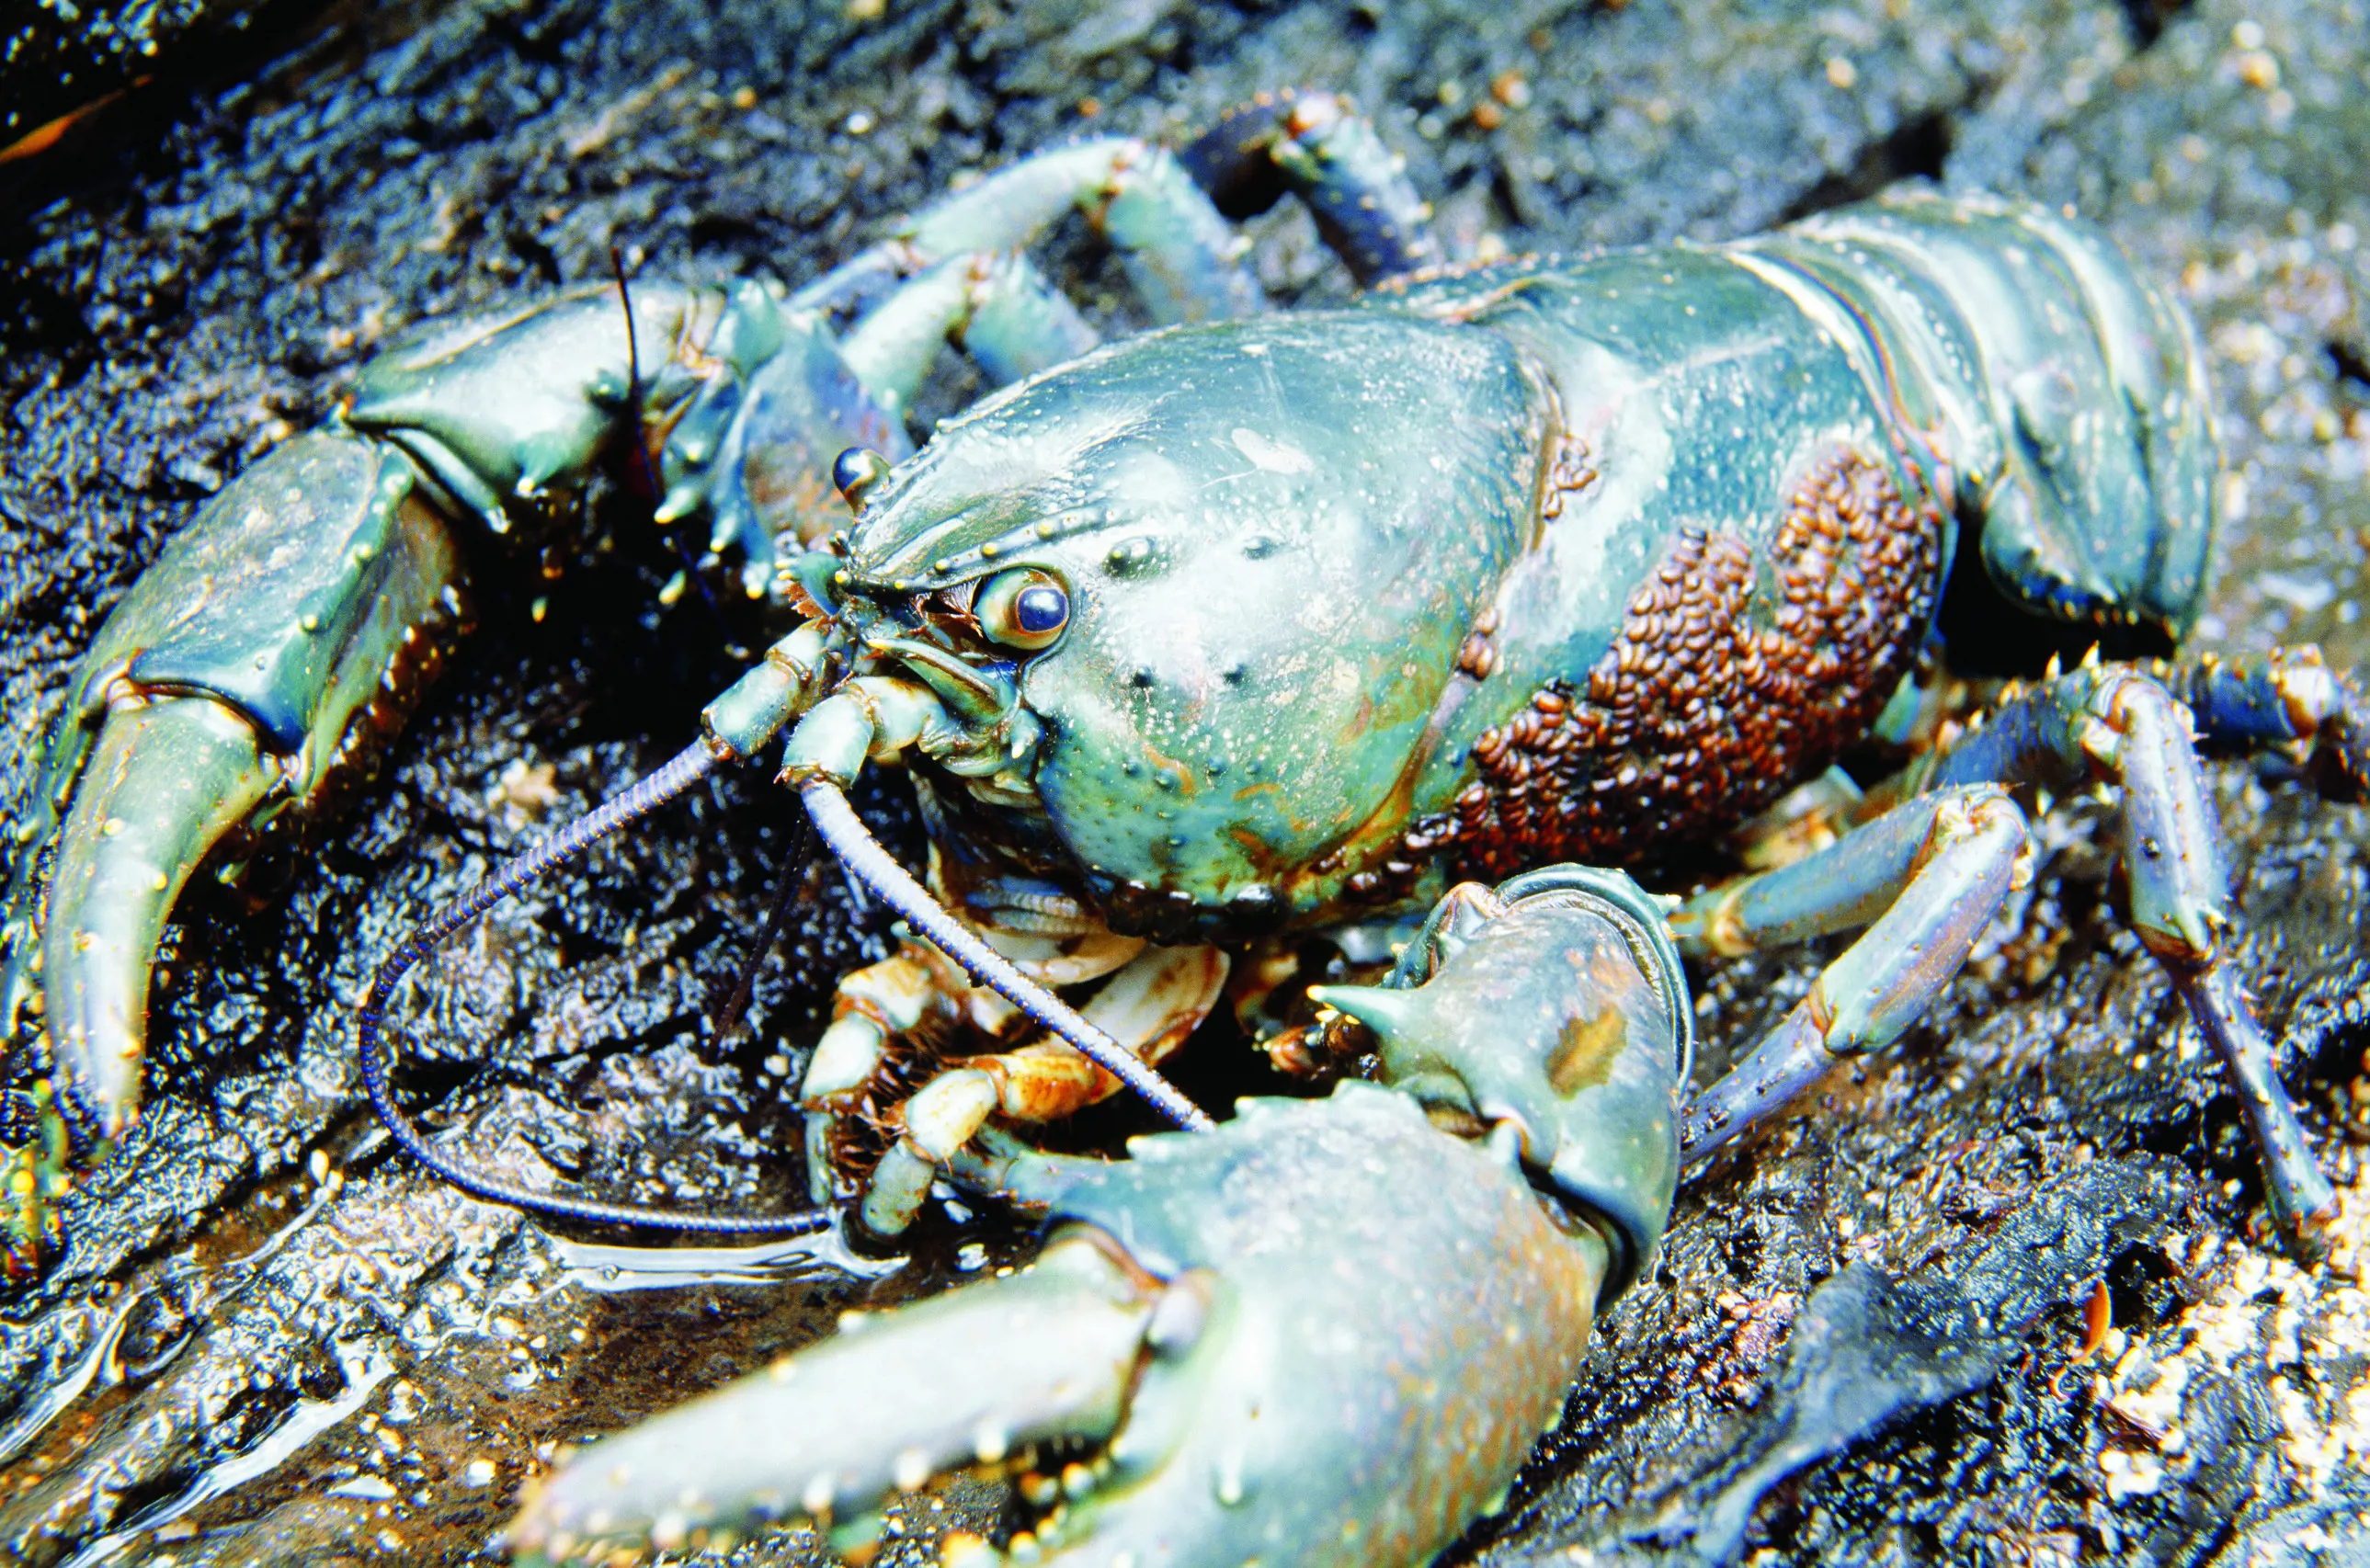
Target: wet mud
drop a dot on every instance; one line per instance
(1997, 1298)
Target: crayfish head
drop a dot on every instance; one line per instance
(1228, 569)
(1551, 1011)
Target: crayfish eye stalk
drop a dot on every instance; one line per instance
(857, 473)
(1025, 609)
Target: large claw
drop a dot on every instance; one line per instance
(1331, 1334)
(251, 669)
(257, 668)
(903, 1396)
(166, 780)
(1326, 1332)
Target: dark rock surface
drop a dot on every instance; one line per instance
(1859, 1346)
(58, 59)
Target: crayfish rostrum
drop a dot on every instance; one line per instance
(1196, 644)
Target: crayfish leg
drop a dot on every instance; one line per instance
(2113, 724)
(1925, 877)
(2116, 724)
(1149, 1006)
(1315, 145)
(998, 305)
(2288, 700)
(885, 1013)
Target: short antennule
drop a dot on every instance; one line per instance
(686, 768)
(644, 478)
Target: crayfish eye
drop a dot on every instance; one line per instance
(1023, 608)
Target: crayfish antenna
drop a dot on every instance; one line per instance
(686, 768)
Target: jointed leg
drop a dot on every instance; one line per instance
(1940, 860)
(1165, 213)
(956, 271)
(2116, 725)
(2288, 698)
(1316, 147)
(1179, 254)
(918, 1001)
(1930, 874)
(780, 393)
(917, 997)
(1150, 1006)
(996, 305)
(781, 396)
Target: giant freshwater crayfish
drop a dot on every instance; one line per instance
(1206, 640)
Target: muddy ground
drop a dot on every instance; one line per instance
(266, 1340)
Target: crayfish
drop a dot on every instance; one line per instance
(1197, 644)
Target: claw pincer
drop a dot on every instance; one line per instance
(248, 676)
(1328, 1333)
(251, 677)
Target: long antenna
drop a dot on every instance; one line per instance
(686, 768)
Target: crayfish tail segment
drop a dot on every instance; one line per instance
(2049, 377)
(978, 1379)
